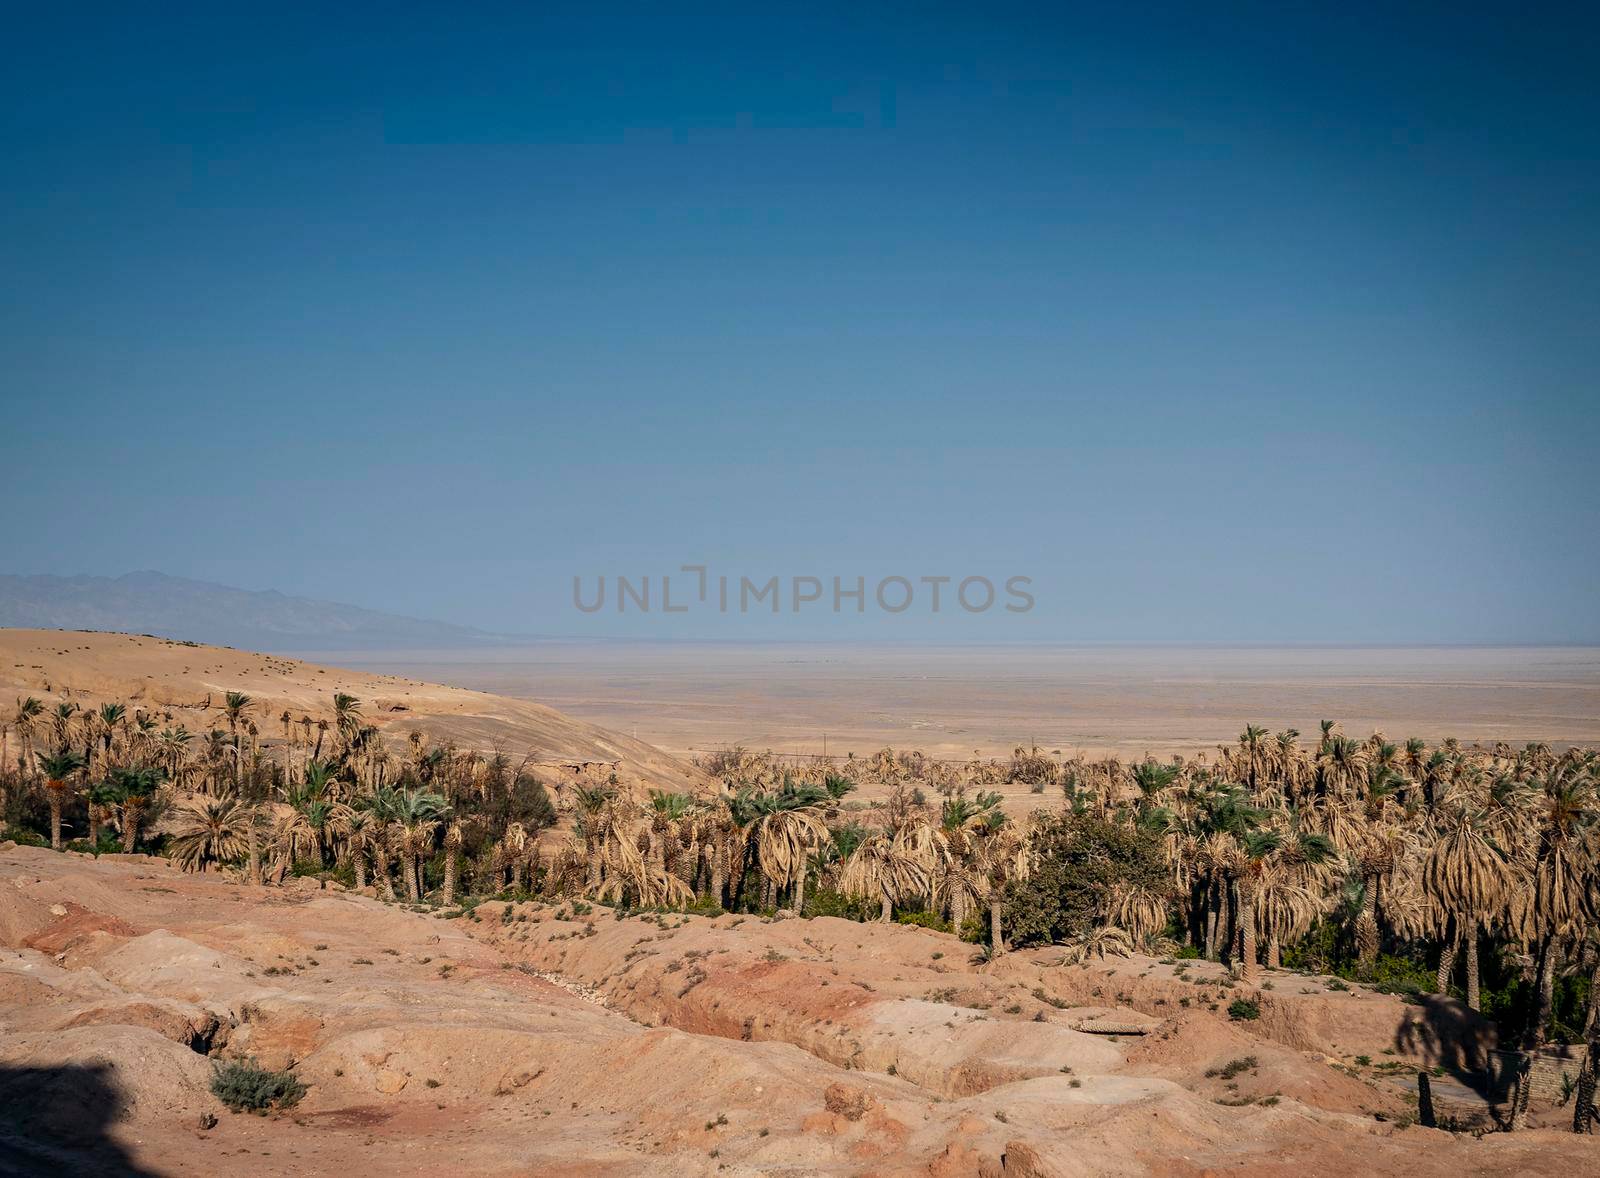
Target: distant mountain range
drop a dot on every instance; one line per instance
(198, 611)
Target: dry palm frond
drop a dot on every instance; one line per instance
(884, 867)
(1097, 943)
(208, 830)
(1137, 911)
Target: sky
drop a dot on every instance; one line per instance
(1219, 323)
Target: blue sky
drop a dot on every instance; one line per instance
(1222, 323)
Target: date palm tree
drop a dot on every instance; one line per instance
(347, 717)
(416, 818)
(100, 798)
(207, 830)
(358, 840)
(29, 713)
(135, 786)
(58, 768)
(885, 868)
(1568, 814)
(381, 806)
(1470, 879)
(454, 836)
(109, 720)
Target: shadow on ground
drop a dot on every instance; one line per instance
(57, 1120)
(1447, 1030)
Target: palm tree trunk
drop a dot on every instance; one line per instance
(450, 868)
(1211, 923)
(55, 820)
(410, 864)
(800, 893)
(130, 828)
(253, 842)
(1251, 968)
(719, 876)
(1583, 1111)
(997, 942)
(1367, 927)
(381, 861)
(1274, 952)
(886, 913)
(768, 893)
(1591, 1018)
(1547, 987)
(1447, 961)
(359, 857)
(1224, 920)
(1522, 1093)
(1474, 995)
(94, 825)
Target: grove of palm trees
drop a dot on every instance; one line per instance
(1456, 870)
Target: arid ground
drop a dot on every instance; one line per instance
(949, 702)
(549, 1039)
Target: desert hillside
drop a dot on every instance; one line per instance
(189, 681)
(528, 1037)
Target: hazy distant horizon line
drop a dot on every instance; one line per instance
(513, 641)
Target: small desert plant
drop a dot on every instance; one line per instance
(1243, 1009)
(248, 1087)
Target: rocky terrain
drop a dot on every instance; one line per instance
(561, 1039)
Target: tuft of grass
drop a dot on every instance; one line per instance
(1244, 1010)
(1233, 1068)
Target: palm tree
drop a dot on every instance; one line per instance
(381, 806)
(1560, 884)
(29, 710)
(885, 868)
(58, 769)
(416, 818)
(316, 818)
(235, 703)
(1255, 847)
(61, 722)
(1469, 878)
(134, 785)
(101, 799)
(593, 807)
(1000, 856)
(784, 827)
(454, 836)
(109, 718)
(358, 839)
(208, 830)
(347, 716)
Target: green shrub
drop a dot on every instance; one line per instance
(1080, 860)
(827, 902)
(1244, 1009)
(248, 1087)
(924, 920)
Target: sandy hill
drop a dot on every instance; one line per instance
(188, 681)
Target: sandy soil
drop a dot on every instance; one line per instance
(952, 701)
(539, 1039)
(189, 681)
